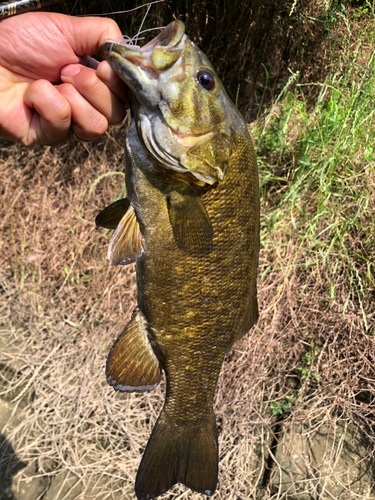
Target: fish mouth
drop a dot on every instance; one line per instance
(139, 66)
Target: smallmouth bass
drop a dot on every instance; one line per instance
(191, 223)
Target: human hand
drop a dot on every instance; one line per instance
(50, 88)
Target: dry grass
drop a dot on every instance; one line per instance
(62, 306)
(307, 366)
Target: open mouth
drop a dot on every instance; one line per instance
(158, 54)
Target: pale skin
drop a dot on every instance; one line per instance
(50, 89)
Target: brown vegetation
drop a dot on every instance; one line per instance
(62, 305)
(308, 362)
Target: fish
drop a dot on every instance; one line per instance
(190, 222)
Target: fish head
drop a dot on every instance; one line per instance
(178, 102)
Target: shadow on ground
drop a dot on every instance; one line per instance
(9, 466)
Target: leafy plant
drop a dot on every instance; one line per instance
(308, 361)
(280, 407)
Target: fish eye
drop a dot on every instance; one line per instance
(206, 79)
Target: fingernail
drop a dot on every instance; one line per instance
(70, 70)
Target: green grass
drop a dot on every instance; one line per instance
(317, 167)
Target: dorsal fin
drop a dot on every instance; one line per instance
(127, 244)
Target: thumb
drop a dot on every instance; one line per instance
(86, 34)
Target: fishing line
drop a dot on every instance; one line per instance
(16, 7)
(145, 31)
(74, 6)
(127, 41)
(143, 20)
(119, 11)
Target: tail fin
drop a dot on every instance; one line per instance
(174, 454)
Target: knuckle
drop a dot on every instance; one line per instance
(63, 105)
(88, 81)
(90, 85)
(40, 85)
(67, 89)
(112, 26)
(93, 127)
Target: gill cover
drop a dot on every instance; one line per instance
(182, 124)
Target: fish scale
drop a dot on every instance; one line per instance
(196, 221)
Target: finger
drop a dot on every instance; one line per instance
(50, 123)
(95, 91)
(87, 122)
(117, 86)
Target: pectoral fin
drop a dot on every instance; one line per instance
(191, 224)
(132, 364)
(111, 215)
(127, 244)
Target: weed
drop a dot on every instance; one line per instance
(317, 170)
(283, 406)
(308, 361)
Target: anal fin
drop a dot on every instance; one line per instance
(127, 244)
(132, 364)
(111, 215)
(190, 222)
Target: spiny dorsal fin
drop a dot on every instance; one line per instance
(191, 224)
(127, 244)
(111, 215)
(132, 364)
